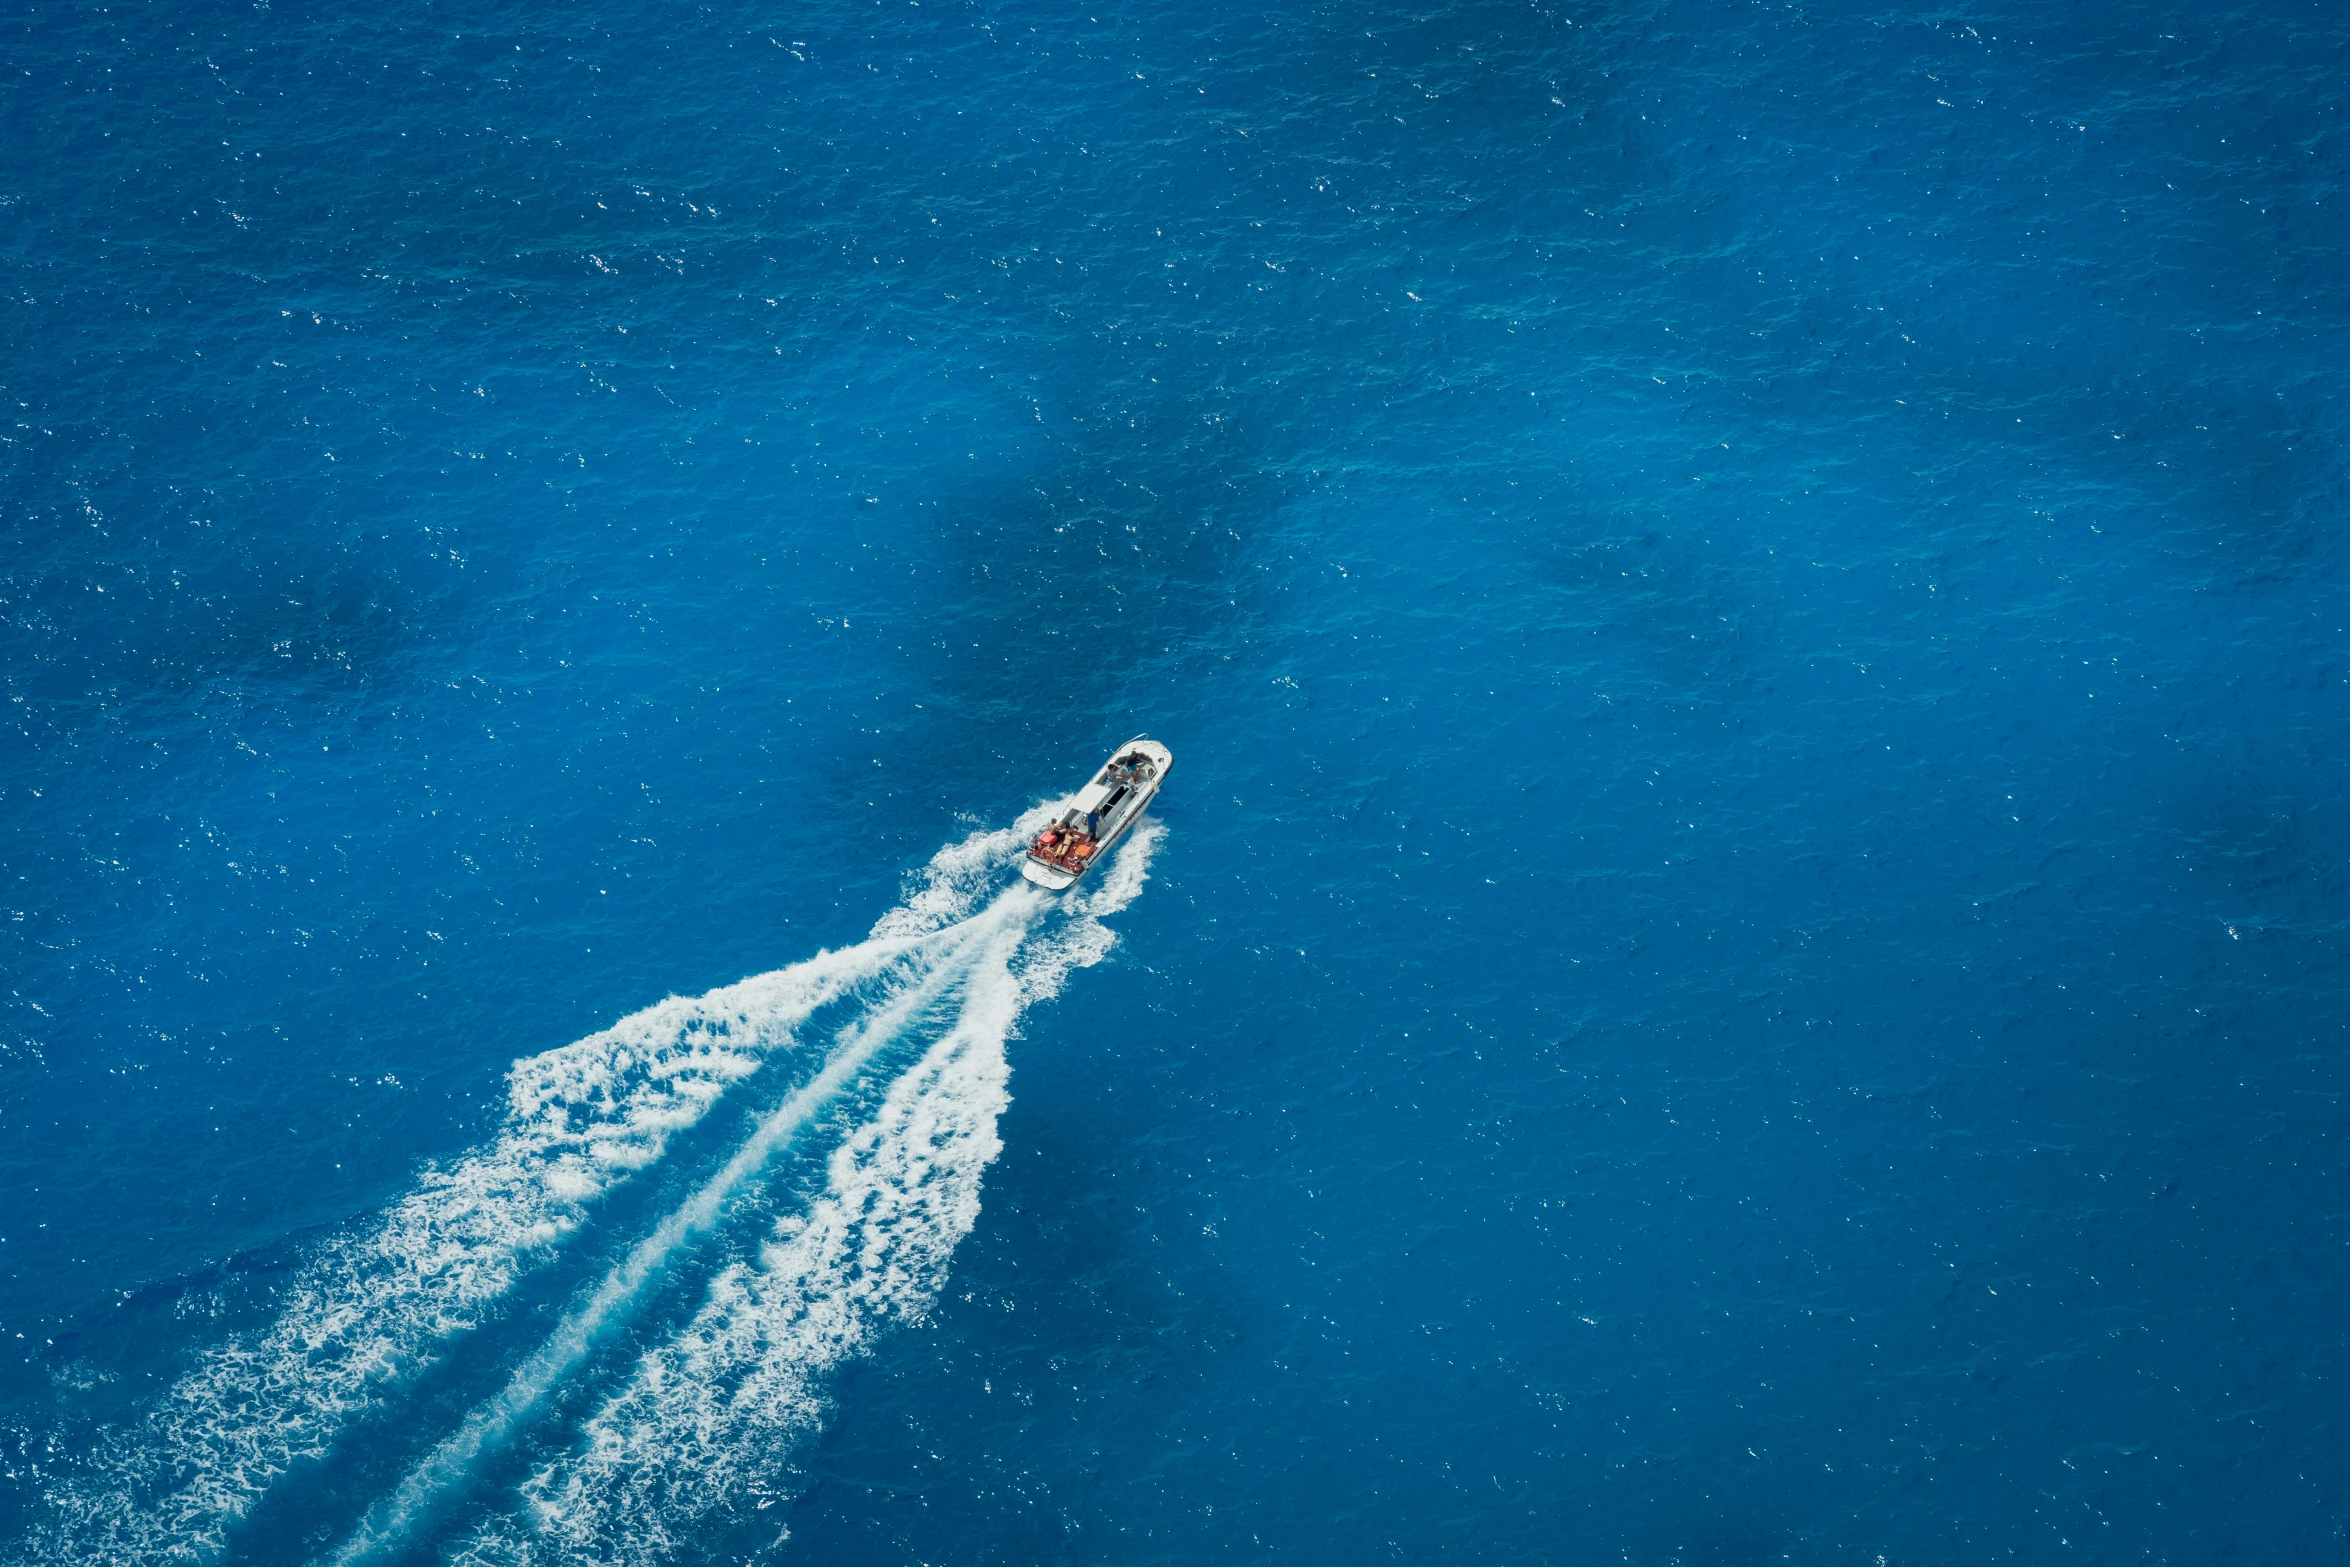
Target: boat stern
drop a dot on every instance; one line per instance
(1050, 877)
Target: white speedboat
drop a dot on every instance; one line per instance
(1100, 815)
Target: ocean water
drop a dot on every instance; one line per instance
(1743, 959)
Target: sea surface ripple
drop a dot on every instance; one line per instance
(1743, 958)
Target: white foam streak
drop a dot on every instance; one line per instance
(704, 1415)
(624, 1286)
(371, 1309)
(708, 1420)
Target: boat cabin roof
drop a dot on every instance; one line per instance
(1095, 794)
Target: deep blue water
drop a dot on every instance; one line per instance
(1745, 956)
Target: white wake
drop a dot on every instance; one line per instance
(370, 1310)
(708, 1421)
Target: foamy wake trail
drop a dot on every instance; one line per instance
(707, 1422)
(370, 1309)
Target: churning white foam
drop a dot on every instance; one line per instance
(370, 1309)
(624, 1287)
(708, 1421)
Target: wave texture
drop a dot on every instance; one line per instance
(371, 1309)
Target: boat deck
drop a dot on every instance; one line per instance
(1100, 813)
